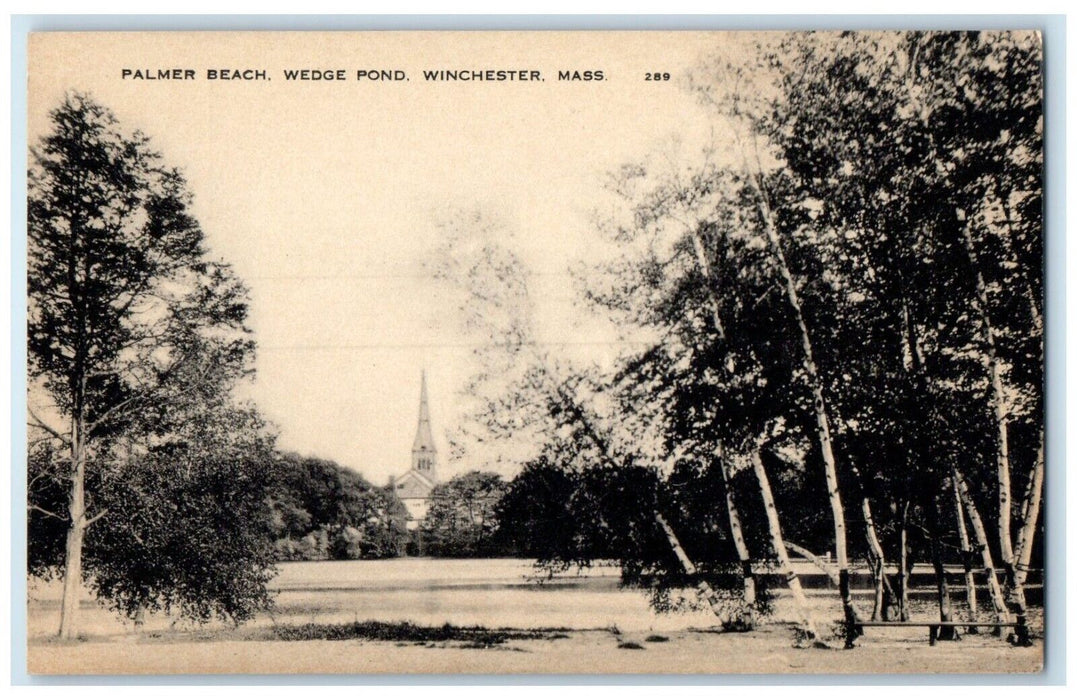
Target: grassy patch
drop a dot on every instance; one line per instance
(629, 645)
(656, 638)
(409, 633)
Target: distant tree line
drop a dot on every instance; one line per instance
(320, 510)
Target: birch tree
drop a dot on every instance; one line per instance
(861, 143)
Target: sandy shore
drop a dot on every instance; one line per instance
(767, 650)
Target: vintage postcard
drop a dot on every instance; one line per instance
(535, 352)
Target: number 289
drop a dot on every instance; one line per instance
(656, 76)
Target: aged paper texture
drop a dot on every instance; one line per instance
(535, 352)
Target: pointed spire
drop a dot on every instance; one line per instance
(424, 437)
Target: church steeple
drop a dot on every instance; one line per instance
(423, 453)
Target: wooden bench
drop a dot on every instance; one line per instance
(933, 626)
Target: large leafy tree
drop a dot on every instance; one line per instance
(136, 339)
(187, 528)
(462, 517)
(610, 463)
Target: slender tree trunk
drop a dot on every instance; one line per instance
(876, 555)
(735, 526)
(877, 581)
(876, 549)
(1014, 585)
(998, 405)
(821, 418)
(1030, 506)
(942, 586)
(878, 606)
(746, 616)
(1021, 635)
(778, 543)
(903, 563)
(1030, 514)
(78, 273)
(966, 558)
(689, 567)
(943, 590)
(76, 531)
(978, 530)
(913, 362)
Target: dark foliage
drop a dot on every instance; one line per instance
(463, 516)
(321, 510)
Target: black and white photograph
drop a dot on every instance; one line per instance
(522, 352)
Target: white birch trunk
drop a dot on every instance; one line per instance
(1015, 584)
(813, 558)
(1030, 506)
(878, 572)
(998, 405)
(966, 557)
(740, 544)
(778, 543)
(997, 599)
(735, 527)
(1030, 514)
(705, 589)
(821, 418)
(878, 556)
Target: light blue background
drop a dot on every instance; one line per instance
(1054, 31)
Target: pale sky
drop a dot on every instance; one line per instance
(324, 196)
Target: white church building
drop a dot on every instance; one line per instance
(414, 486)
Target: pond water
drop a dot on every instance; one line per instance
(488, 592)
(466, 592)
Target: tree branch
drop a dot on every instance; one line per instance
(49, 513)
(41, 424)
(95, 518)
(37, 441)
(117, 409)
